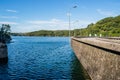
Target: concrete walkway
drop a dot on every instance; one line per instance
(102, 42)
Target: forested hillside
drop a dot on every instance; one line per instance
(109, 26)
(49, 33)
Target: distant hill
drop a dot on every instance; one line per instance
(109, 26)
(49, 33)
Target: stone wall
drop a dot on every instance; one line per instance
(99, 63)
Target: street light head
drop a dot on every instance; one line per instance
(68, 14)
(74, 6)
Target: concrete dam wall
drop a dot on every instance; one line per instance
(99, 57)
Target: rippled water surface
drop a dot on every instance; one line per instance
(41, 58)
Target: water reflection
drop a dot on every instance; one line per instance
(4, 72)
(77, 70)
(41, 58)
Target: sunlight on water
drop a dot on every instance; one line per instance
(41, 58)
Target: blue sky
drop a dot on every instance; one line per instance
(32, 15)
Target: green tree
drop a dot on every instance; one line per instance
(5, 33)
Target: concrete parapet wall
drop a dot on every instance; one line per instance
(100, 63)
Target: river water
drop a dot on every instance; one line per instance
(41, 58)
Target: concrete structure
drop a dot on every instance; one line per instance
(3, 53)
(100, 57)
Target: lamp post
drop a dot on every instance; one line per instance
(74, 27)
(69, 14)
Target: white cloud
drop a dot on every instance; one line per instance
(28, 26)
(11, 23)
(105, 13)
(53, 24)
(13, 17)
(13, 11)
(52, 21)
